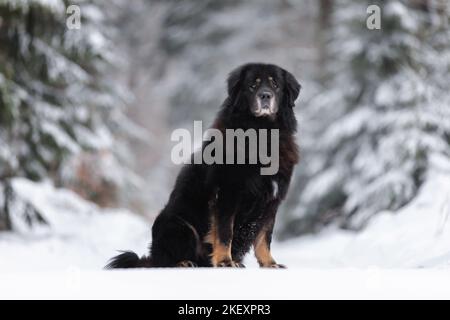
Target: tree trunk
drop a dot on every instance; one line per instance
(323, 26)
(5, 219)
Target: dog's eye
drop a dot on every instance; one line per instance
(274, 84)
(253, 86)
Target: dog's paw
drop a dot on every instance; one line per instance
(276, 266)
(238, 265)
(186, 264)
(230, 264)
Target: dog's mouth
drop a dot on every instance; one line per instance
(265, 109)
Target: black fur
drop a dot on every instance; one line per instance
(128, 259)
(240, 198)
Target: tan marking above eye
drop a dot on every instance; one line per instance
(258, 80)
(270, 78)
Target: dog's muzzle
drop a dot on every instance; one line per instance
(265, 103)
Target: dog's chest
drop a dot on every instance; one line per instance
(261, 190)
(275, 189)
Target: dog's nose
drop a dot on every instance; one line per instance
(265, 95)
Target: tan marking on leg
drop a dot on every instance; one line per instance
(220, 252)
(262, 250)
(212, 233)
(186, 264)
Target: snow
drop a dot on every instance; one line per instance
(59, 66)
(228, 284)
(398, 255)
(78, 234)
(397, 9)
(60, 136)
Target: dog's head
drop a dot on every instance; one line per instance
(263, 89)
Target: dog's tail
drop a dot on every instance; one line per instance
(129, 259)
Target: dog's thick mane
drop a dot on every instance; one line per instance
(231, 117)
(235, 114)
(285, 122)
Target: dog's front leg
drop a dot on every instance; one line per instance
(263, 239)
(221, 233)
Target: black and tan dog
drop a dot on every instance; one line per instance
(217, 212)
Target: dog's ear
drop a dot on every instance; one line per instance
(292, 88)
(234, 80)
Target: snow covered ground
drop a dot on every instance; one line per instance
(296, 283)
(399, 255)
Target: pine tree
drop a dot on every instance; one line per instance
(55, 97)
(386, 113)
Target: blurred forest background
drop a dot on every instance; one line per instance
(91, 110)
